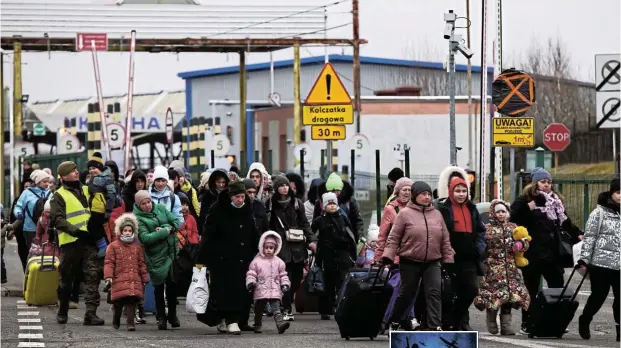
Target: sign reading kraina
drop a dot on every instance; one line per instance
(328, 102)
(328, 132)
(513, 131)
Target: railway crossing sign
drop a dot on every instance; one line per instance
(607, 87)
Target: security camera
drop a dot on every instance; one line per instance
(465, 51)
(457, 43)
(450, 19)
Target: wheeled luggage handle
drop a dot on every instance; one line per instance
(566, 286)
(377, 276)
(43, 253)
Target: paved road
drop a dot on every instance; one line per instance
(24, 326)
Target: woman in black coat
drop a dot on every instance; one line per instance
(217, 182)
(137, 182)
(285, 211)
(228, 245)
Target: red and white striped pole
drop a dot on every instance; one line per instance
(100, 99)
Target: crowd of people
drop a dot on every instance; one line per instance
(256, 235)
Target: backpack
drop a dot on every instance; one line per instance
(173, 196)
(37, 210)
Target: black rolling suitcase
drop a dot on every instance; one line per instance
(361, 309)
(553, 309)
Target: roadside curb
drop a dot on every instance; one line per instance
(12, 292)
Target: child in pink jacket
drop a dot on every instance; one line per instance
(267, 280)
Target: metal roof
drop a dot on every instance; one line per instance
(321, 59)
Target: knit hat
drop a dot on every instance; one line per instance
(279, 181)
(401, 183)
(160, 172)
(66, 168)
(48, 170)
(329, 197)
(236, 187)
(334, 182)
(270, 240)
(614, 185)
(141, 196)
(47, 206)
(249, 184)
(183, 198)
(96, 161)
(204, 179)
(38, 175)
(420, 187)
(539, 174)
(395, 174)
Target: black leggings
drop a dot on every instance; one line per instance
(169, 287)
(602, 279)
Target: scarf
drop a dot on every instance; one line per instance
(129, 239)
(554, 208)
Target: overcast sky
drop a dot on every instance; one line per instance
(410, 29)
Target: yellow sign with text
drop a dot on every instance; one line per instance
(328, 89)
(328, 133)
(327, 114)
(513, 125)
(513, 140)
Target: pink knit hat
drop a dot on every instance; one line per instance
(401, 183)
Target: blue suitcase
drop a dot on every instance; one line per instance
(149, 298)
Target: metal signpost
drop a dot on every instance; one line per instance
(607, 101)
(327, 108)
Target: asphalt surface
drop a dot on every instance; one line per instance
(23, 326)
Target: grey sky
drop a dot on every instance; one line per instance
(395, 29)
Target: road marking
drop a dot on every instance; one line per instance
(29, 336)
(31, 345)
(31, 327)
(27, 313)
(37, 320)
(21, 306)
(533, 343)
(21, 302)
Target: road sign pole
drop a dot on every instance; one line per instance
(329, 156)
(539, 157)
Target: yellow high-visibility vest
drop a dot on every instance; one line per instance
(75, 213)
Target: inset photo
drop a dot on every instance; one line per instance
(433, 339)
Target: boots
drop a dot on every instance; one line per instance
(505, 325)
(130, 309)
(116, 316)
(140, 316)
(280, 323)
(63, 310)
(172, 315)
(91, 318)
(492, 325)
(583, 327)
(258, 322)
(161, 323)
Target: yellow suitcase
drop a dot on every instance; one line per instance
(41, 281)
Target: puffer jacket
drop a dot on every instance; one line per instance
(268, 273)
(388, 218)
(164, 198)
(419, 235)
(25, 206)
(602, 237)
(125, 264)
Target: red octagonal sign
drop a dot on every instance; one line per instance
(556, 137)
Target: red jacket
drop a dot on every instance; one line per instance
(125, 265)
(188, 231)
(109, 226)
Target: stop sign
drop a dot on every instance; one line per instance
(556, 137)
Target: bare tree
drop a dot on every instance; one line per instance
(559, 97)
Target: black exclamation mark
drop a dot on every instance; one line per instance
(328, 82)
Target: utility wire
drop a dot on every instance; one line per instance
(316, 31)
(281, 17)
(338, 73)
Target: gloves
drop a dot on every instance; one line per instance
(108, 285)
(284, 288)
(581, 263)
(251, 287)
(101, 247)
(386, 261)
(517, 246)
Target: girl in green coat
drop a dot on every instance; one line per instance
(157, 228)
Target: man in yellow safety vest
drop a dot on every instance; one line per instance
(70, 215)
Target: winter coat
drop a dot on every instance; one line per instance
(300, 187)
(188, 231)
(109, 226)
(129, 191)
(261, 195)
(209, 197)
(467, 246)
(164, 198)
(125, 263)
(419, 235)
(336, 246)
(388, 218)
(602, 234)
(228, 245)
(545, 233)
(268, 273)
(502, 283)
(292, 216)
(189, 191)
(348, 203)
(25, 206)
(444, 180)
(160, 247)
(260, 215)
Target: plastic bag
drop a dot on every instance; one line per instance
(198, 294)
(576, 249)
(314, 283)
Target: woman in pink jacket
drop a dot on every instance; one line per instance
(267, 280)
(403, 195)
(421, 240)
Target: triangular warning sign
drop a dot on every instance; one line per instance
(328, 89)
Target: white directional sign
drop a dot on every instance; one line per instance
(221, 145)
(116, 135)
(68, 144)
(308, 154)
(607, 87)
(399, 150)
(360, 143)
(23, 148)
(274, 99)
